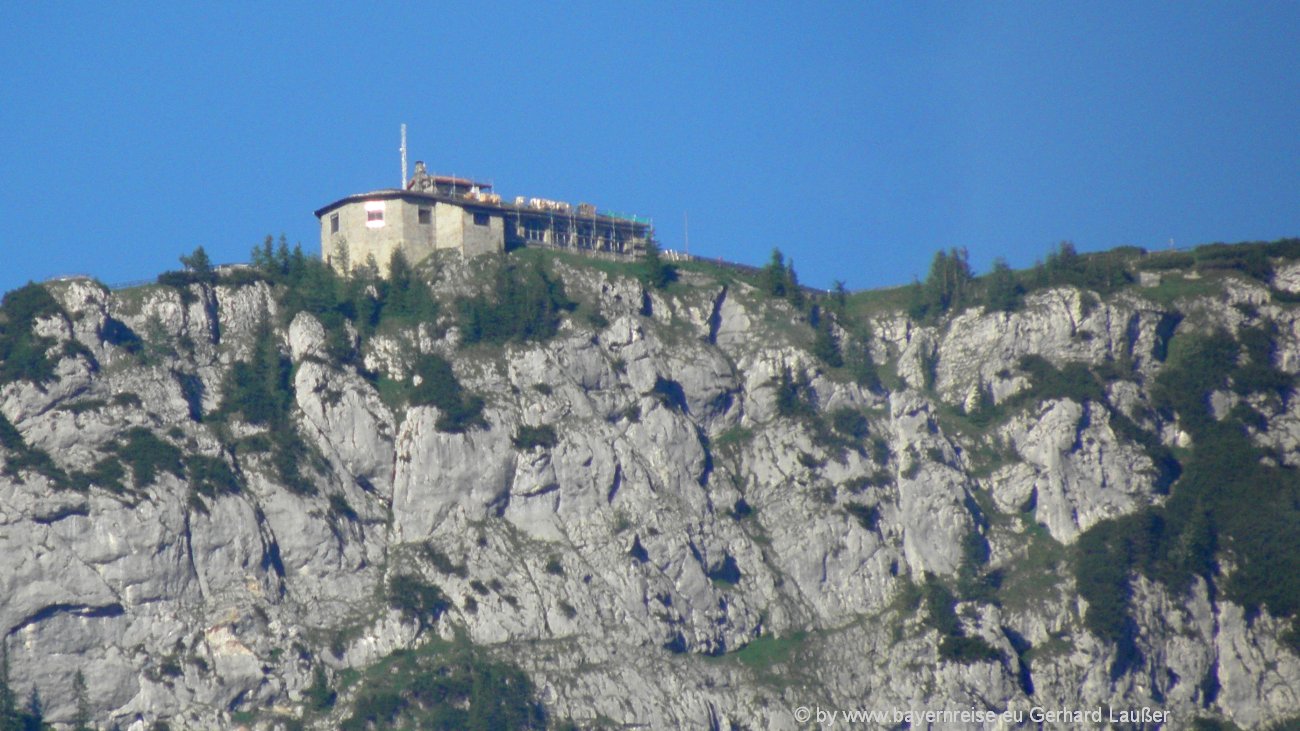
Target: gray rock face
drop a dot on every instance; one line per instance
(687, 554)
(1074, 470)
(931, 492)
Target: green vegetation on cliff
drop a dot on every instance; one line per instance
(444, 685)
(1233, 505)
(24, 354)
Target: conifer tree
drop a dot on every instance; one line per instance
(655, 272)
(319, 694)
(199, 266)
(9, 718)
(260, 388)
(839, 302)
(793, 291)
(948, 286)
(365, 295)
(774, 275)
(295, 262)
(400, 281)
(81, 696)
(1002, 291)
(406, 295)
(263, 258)
(34, 718)
(826, 346)
(282, 256)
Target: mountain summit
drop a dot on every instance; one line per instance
(541, 490)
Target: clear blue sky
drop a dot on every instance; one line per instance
(858, 137)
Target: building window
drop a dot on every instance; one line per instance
(426, 215)
(481, 219)
(374, 214)
(334, 223)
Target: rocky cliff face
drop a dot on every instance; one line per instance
(722, 530)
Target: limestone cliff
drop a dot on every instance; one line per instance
(669, 514)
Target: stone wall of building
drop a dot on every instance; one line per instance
(449, 224)
(471, 228)
(472, 233)
(482, 236)
(355, 240)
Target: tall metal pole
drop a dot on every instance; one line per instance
(403, 156)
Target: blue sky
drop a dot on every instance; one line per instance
(857, 137)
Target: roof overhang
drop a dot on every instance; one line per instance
(409, 196)
(418, 197)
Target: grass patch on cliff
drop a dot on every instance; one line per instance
(870, 304)
(541, 257)
(1033, 577)
(768, 652)
(977, 427)
(733, 440)
(1176, 287)
(718, 273)
(776, 662)
(443, 685)
(988, 455)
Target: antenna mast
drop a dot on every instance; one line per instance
(403, 156)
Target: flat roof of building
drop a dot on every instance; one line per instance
(453, 180)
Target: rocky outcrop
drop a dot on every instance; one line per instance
(686, 553)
